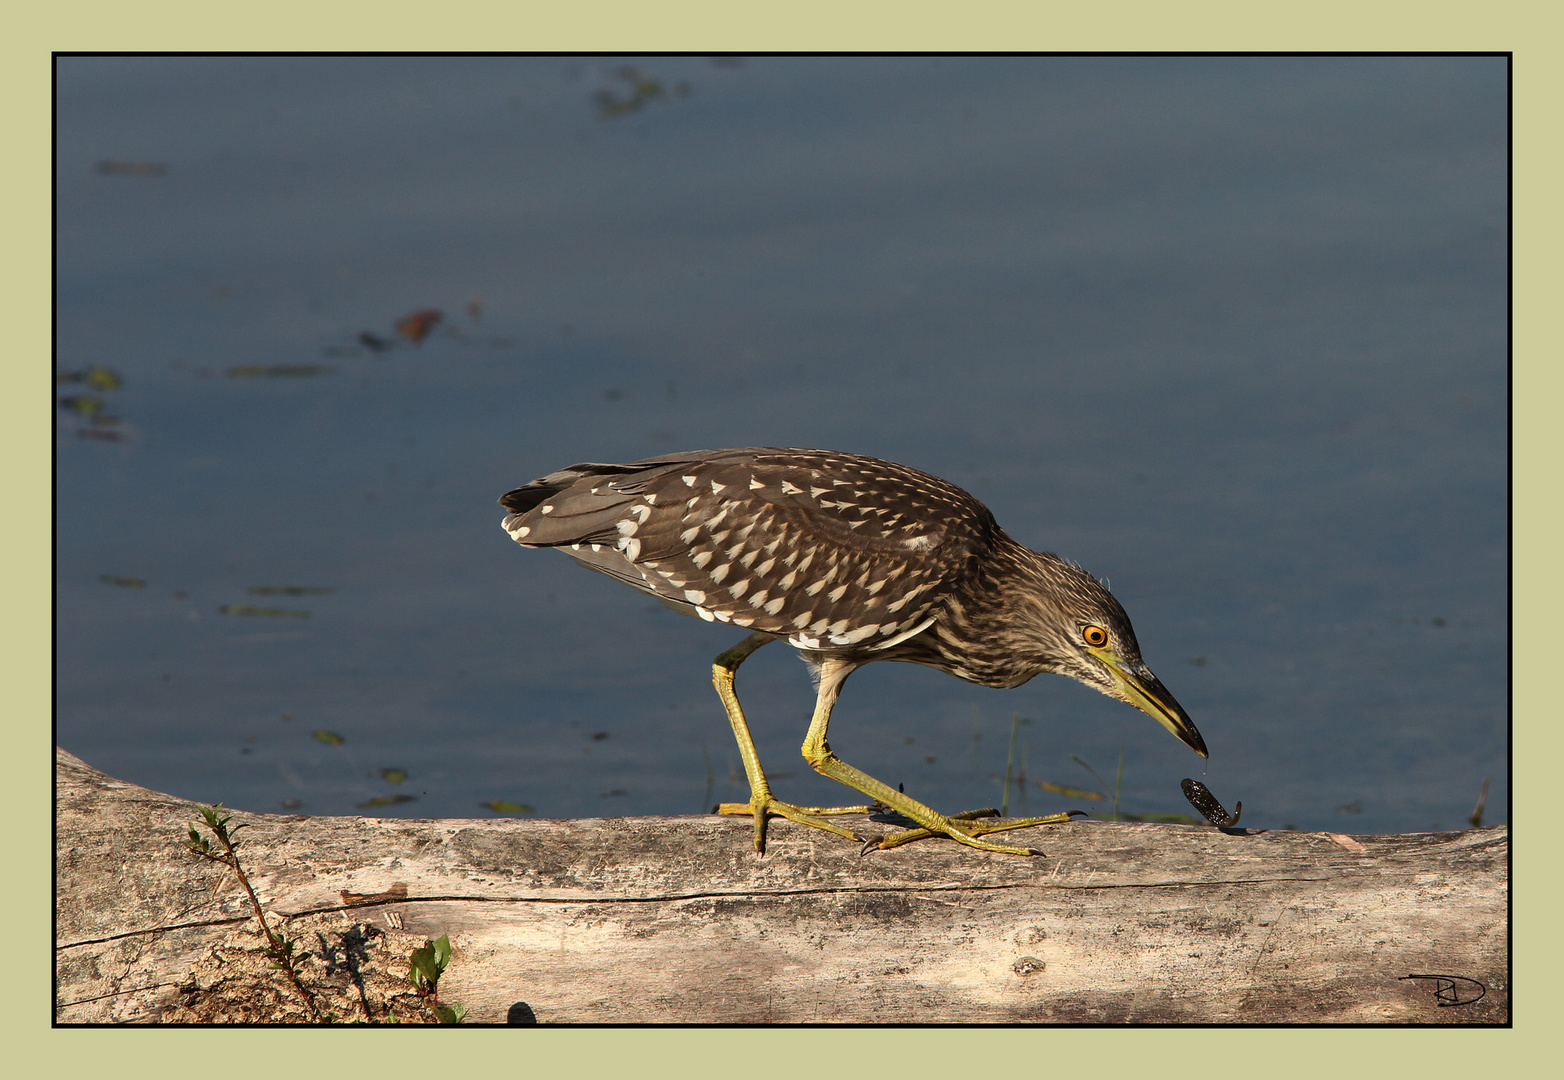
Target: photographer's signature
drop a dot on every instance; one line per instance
(1452, 989)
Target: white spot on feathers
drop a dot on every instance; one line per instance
(695, 596)
(899, 638)
(689, 481)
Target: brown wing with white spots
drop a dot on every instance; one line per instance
(832, 551)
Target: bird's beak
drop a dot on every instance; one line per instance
(1152, 698)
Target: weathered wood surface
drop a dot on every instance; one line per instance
(677, 920)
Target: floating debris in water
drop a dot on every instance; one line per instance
(265, 612)
(83, 405)
(374, 342)
(386, 800)
(279, 371)
(391, 776)
(330, 738)
(89, 408)
(289, 590)
(1070, 792)
(416, 327)
(642, 90)
(122, 582)
(500, 806)
(97, 377)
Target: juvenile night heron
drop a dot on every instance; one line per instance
(849, 559)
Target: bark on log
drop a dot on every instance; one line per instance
(677, 920)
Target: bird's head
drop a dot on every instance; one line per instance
(1082, 631)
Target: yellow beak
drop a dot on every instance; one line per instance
(1152, 698)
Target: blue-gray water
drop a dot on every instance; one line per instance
(1230, 333)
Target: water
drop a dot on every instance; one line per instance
(1230, 333)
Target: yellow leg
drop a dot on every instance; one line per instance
(961, 827)
(761, 802)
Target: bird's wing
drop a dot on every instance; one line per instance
(832, 551)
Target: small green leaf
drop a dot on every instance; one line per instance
(424, 964)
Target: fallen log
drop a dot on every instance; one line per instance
(678, 920)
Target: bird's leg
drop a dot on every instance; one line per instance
(761, 802)
(962, 827)
(980, 828)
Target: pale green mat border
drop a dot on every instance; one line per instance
(611, 25)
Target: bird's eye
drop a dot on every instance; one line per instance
(1095, 636)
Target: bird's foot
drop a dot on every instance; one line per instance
(764, 807)
(968, 826)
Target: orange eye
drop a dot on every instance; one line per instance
(1095, 636)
